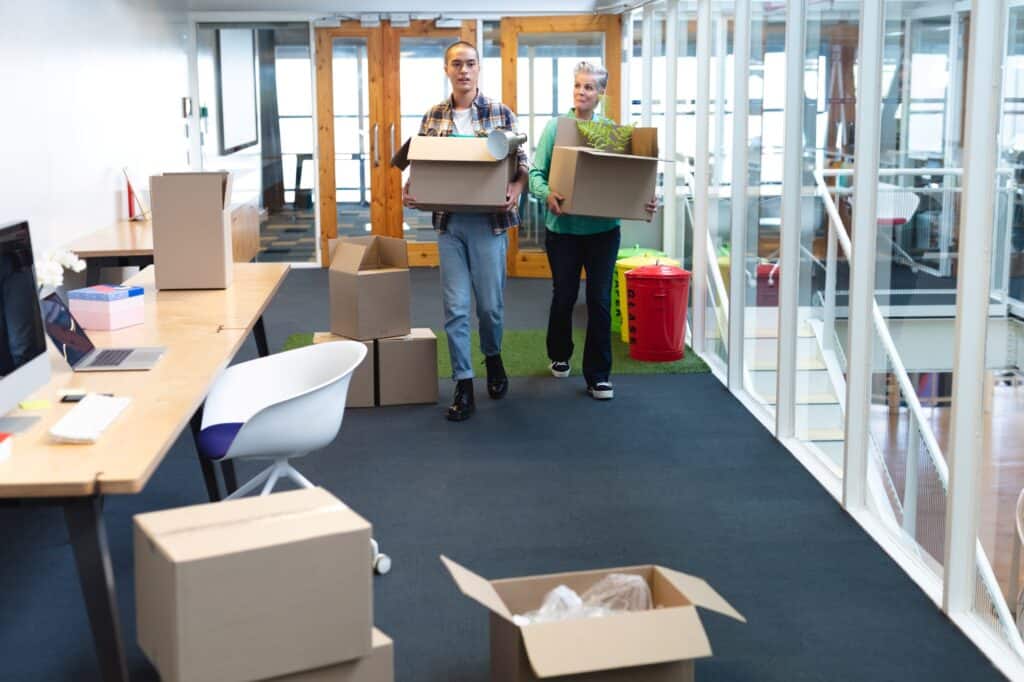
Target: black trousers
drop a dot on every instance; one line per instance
(568, 254)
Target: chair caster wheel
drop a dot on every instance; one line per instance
(382, 564)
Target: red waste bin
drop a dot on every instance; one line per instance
(768, 285)
(656, 303)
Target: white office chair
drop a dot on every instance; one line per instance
(896, 206)
(1016, 594)
(280, 407)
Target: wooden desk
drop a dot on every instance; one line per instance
(202, 331)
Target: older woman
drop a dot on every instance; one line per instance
(579, 242)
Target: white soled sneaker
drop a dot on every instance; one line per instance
(560, 369)
(602, 390)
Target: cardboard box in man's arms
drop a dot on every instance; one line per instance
(604, 184)
(456, 174)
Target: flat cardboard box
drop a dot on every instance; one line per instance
(361, 389)
(192, 230)
(407, 369)
(659, 645)
(456, 174)
(369, 287)
(604, 184)
(379, 666)
(253, 588)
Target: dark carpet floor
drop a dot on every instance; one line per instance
(673, 471)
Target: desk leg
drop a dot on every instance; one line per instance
(84, 518)
(209, 475)
(259, 332)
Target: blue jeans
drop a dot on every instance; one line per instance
(472, 262)
(568, 254)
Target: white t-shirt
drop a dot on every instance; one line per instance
(463, 121)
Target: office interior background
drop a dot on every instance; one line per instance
(863, 299)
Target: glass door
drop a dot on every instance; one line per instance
(538, 56)
(352, 121)
(416, 67)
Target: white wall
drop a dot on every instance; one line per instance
(87, 88)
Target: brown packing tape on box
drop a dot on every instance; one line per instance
(656, 645)
(252, 588)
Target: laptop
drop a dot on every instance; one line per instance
(74, 344)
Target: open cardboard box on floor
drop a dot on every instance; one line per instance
(456, 174)
(659, 645)
(369, 287)
(253, 588)
(604, 184)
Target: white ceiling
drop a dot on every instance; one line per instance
(431, 7)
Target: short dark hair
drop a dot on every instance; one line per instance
(462, 43)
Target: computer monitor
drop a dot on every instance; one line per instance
(24, 366)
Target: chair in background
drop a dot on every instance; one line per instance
(280, 407)
(896, 206)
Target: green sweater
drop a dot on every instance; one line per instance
(564, 224)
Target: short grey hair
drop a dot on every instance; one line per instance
(598, 72)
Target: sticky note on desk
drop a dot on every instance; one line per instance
(35, 404)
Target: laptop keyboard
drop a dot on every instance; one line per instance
(110, 358)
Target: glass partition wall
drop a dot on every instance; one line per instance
(888, 340)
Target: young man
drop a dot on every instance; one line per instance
(472, 246)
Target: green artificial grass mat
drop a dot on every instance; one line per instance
(524, 354)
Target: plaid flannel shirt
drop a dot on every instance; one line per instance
(487, 115)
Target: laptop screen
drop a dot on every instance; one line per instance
(64, 329)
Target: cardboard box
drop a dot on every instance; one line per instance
(659, 645)
(192, 230)
(369, 287)
(379, 666)
(456, 174)
(361, 389)
(604, 184)
(407, 369)
(253, 588)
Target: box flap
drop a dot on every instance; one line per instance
(644, 142)
(394, 253)
(590, 151)
(700, 593)
(476, 588)
(357, 254)
(567, 133)
(433, 148)
(572, 647)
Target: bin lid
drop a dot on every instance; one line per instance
(658, 272)
(637, 261)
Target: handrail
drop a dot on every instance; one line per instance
(984, 567)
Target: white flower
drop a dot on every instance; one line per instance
(50, 268)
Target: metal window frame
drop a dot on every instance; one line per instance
(740, 203)
(698, 283)
(670, 177)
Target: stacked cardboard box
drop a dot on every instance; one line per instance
(369, 295)
(272, 587)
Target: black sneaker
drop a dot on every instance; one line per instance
(559, 369)
(602, 390)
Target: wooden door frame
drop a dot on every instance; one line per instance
(327, 194)
(535, 263)
(421, 254)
